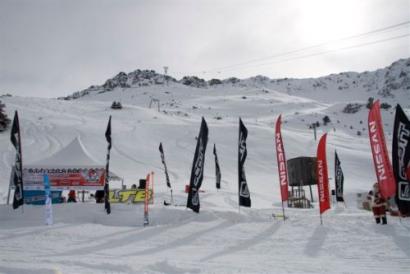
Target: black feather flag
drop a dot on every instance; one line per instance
(244, 195)
(107, 168)
(401, 160)
(197, 172)
(15, 138)
(161, 150)
(339, 178)
(217, 170)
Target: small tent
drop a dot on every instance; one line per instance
(72, 155)
(70, 168)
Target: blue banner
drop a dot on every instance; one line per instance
(37, 197)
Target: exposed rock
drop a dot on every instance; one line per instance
(193, 81)
(352, 108)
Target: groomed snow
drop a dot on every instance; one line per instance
(219, 239)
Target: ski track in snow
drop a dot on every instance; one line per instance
(114, 241)
(127, 156)
(222, 238)
(187, 240)
(245, 244)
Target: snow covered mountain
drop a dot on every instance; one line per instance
(219, 239)
(384, 81)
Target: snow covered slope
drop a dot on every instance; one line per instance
(218, 240)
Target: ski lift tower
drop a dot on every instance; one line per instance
(165, 73)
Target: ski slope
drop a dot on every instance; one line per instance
(220, 239)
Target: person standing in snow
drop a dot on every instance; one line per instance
(71, 197)
(379, 205)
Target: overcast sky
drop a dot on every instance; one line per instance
(51, 48)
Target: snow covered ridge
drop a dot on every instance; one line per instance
(384, 81)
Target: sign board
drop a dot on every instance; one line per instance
(302, 171)
(64, 178)
(37, 197)
(129, 195)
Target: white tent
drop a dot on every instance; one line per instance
(72, 167)
(72, 155)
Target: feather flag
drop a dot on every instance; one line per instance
(197, 172)
(382, 165)
(322, 176)
(281, 159)
(217, 170)
(107, 168)
(243, 191)
(401, 160)
(15, 139)
(339, 178)
(161, 150)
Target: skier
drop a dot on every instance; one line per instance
(379, 205)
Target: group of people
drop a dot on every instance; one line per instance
(378, 203)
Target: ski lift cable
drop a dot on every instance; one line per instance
(377, 31)
(324, 52)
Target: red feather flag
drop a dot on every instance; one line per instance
(322, 176)
(281, 159)
(382, 165)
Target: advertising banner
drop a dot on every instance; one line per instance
(382, 165)
(197, 172)
(64, 178)
(129, 195)
(244, 194)
(37, 197)
(401, 160)
(322, 176)
(15, 139)
(281, 159)
(339, 179)
(217, 170)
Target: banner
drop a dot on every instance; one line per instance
(161, 150)
(129, 195)
(107, 168)
(322, 176)
(384, 170)
(401, 160)
(244, 195)
(281, 159)
(48, 207)
(64, 178)
(197, 172)
(339, 178)
(15, 139)
(37, 197)
(217, 170)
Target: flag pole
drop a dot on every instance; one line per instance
(8, 195)
(152, 185)
(321, 219)
(239, 201)
(21, 169)
(283, 212)
(146, 200)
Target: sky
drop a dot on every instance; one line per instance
(52, 48)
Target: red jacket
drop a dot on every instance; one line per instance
(71, 194)
(379, 205)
